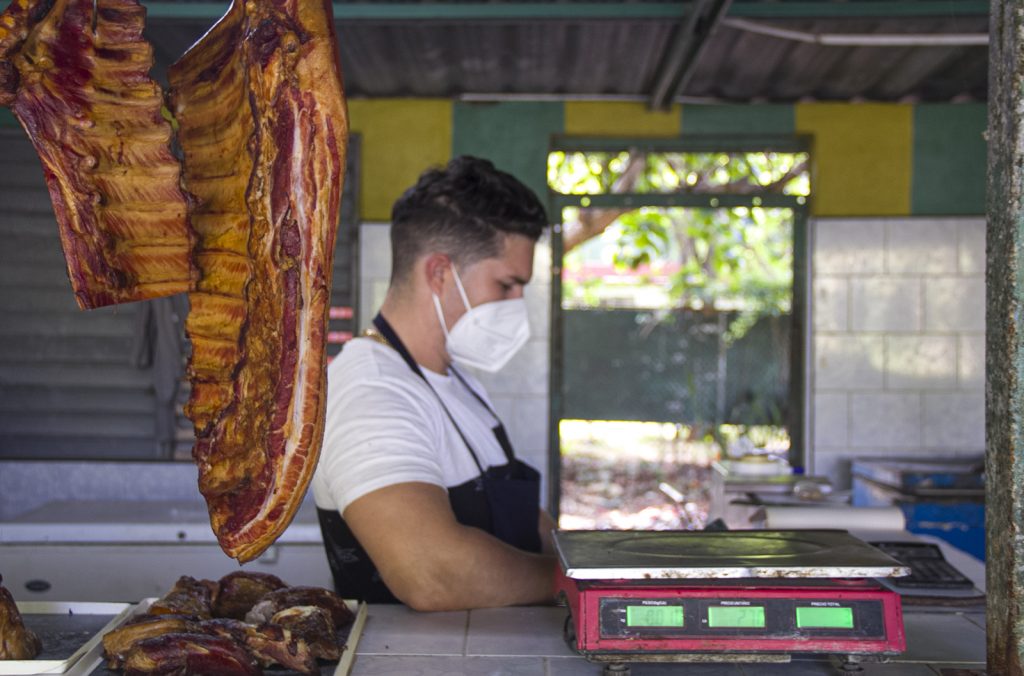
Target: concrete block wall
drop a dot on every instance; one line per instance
(898, 343)
(520, 390)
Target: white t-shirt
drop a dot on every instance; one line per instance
(384, 426)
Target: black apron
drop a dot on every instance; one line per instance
(503, 500)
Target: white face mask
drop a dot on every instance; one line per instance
(488, 335)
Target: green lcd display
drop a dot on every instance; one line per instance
(654, 616)
(736, 616)
(824, 618)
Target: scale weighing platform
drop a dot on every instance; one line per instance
(728, 596)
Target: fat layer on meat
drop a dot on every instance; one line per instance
(263, 127)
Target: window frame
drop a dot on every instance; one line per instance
(800, 336)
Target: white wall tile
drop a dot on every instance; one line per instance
(972, 246)
(971, 368)
(505, 407)
(375, 249)
(917, 390)
(371, 296)
(848, 246)
(538, 307)
(830, 419)
(849, 362)
(916, 245)
(530, 422)
(831, 303)
(920, 362)
(885, 420)
(885, 304)
(955, 420)
(833, 463)
(542, 256)
(525, 374)
(954, 304)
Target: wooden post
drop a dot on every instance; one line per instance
(1004, 416)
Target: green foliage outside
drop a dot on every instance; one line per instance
(738, 259)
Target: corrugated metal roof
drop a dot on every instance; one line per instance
(613, 49)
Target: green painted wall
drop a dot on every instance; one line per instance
(949, 159)
(752, 119)
(515, 136)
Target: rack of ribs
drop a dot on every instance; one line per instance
(263, 128)
(78, 81)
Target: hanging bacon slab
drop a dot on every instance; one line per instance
(263, 127)
(79, 83)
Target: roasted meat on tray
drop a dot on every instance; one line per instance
(118, 642)
(17, 642)
(268, 644)
(276, 601)
(314, 626)
(263, 128)
(238, 592)
(189, 596)
(189, 655)
(76, 75)
(292, 627)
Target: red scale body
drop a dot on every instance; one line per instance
(593, 637)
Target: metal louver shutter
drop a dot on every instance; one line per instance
(69, 383)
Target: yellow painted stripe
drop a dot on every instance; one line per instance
(619, 118)
(862, 157)
(400, 139)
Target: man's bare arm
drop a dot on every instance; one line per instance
(432, 562)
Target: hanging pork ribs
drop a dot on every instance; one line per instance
(78, 81)
(263, 128)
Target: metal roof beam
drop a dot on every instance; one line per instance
(682, 55)
(638, 9)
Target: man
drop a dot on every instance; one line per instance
(419, 494)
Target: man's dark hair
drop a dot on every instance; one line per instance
(463, 210)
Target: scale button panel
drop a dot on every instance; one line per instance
(625, 617)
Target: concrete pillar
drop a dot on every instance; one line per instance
(1004, 522)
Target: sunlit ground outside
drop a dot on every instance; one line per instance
(622, 475)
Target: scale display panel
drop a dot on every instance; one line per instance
(654, 616)
(706, 614)
(736, 617)
(811, 617)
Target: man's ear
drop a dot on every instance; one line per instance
(435, 268)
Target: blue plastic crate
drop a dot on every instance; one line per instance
(941, 498)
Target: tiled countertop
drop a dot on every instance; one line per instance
(528, 642)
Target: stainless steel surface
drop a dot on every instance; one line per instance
(158, 521)
(641, 555)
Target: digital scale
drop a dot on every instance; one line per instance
(728, 596)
